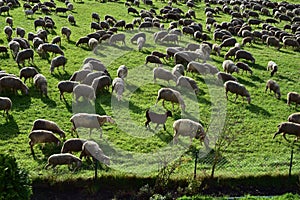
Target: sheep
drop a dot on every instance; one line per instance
(14, 83)
(229, 67)
(120, 37)
(44, 48)
(291, 42)
(295, 117)
(288, 128)
(9, 21)
(28, 72)
(244, 67)
(43, 124)
(118, 86)
(85, 91)
(197, 67)
(20, 32)
(8, 31)
(273, 41)
(160, 54)
(72, 145)
(244, 54)
(92, 149)
(168, 94)
(58, 61)
(226, 77)
(5, 104)
(187, 127)
(136, 36)
(66, 86)
(101, 83)
(170, 38)
(140, 43)
(187, 82)
(14, 47)
(273, 67)
(91, 121)
(217, 49)
(63, 159)
(40, 83)
(237, 89)
(62, 10)
(37, 42)
(67, 32)
(43, 35)
(122, 71)
(184, 57)
(70, 6)
(39, 22)
(56, 40)
(83, 40)
(229, 42)
(157, 118)
(291, 97)
(145, 25)
(178, 70)
(153, 59)
(272, 85)
(25, 54)
(163, 74)
(232, 51)
(42, 136)
(159, 35)
(88, 80)
(92, 43)
(172, 50)
(80, 75)
(95, 65)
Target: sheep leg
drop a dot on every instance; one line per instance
(46, 167)
(285, 137)
(236, 96)
(165, 127)
(100, 132)
(156, 126)
(276, 134)
(226, 93)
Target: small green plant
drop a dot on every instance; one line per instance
(14, 182)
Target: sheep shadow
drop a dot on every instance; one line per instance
(286, 51)
(9, 129)
(245, 82)
(49, 149)
(281, 77)
(256, 66)
(4, 56)
(256, 79)
(59, 76)
(68, 106)
(258, 110)
(51, 103)
(21, 102)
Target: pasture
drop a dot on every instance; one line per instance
(133, 149)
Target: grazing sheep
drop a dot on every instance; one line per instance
(136, 36)
(88, 80)
(231, 52)
(39, 23)
(8, 31)
(42, 136)
(20, 32)
(83, 40)
(40, 83)
(226, 77)
(28, 72)
(9, 21)
(291, 97)
(178, 70)
(160, 55)
(120, 37)
(43, 124)
(153, 59)
(145, 25)
(66, 86)
(187, 82)
(273, 41)
(187, 127)
(25, 54)
(67, 32)
(100, 83)
(237, 89)
(56, 40)
(140, 43)
(163, 74)
(273, 67)
(291, 42)
(170, 38)
(96, 65)
(58, 61)
(37, 42)
(288, 128)
(46, 47)
(92, 43)
(295, 117)
(72, 145)
(217, 49)
(5, 104)
(244, 67)
(229, 42)
(92, 149)
(14, 47)
(272, 85)
(63, 159)
(245, 55)
(96, 16)
(159, 35)
(85, 91)
(61, 10)
(157, 118)
(80, 75)
(122, 71)
(185, 57)
(91, 121)
(118, 86)
(13, 83)
(168, 94)
(229, 67)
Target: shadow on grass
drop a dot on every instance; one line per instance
(246, 83)
(9, 129)
(59, 76)
(46, 100)
(257, 110)
(21, 102)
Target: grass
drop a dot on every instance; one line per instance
(132, 148)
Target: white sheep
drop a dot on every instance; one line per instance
(178, 70)
(295, 117)
(92, 149)
(63, 159)
(85, 91)
(157, 118)
(92, 43)
(122, 72)
(273, 67)
(120, 37)
(170, 38)
(140, 43)
(118, 86)
(163, 74)
(197, 67)
(168, 94)
(230, 67)
(187, 82)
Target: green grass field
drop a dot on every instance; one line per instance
(131, 147)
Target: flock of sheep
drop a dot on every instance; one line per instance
(94, 77)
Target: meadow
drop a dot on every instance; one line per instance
(135, 151)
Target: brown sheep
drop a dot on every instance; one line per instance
(291, 97)
(288, 128)
(43, 124)
(5, 104)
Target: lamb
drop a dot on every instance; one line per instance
(288, 128)
(66, 86)
(237, 89)
(295, 117)
(85, 91)
(229, 67)
(91, 121)
(118, 86)
(43, 124)
(178, 70)
(136, 36)
(72, 145)
(163, 74)
(120, 37)
(80, 75)
(56, 40)
(187, 82)
(14, 47)
(229, 42)
(63, 159)
(197, 67)
(244, 67)
(122, 72)
(157, 118)
(58, 61)
(273, 67)
(25, 54)
(168, 94)
(40, 83)
(5, 104)
(153, 59)
(226, 77)
(272, 85)
(244, 54)
(187, 127)
(92, 149)
(42, 136)
(44, 48)
(101, 83)
(291, 97)
(140, 43)
(67, 32)
(14, 83)
(28, 72)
